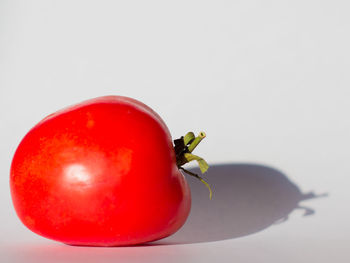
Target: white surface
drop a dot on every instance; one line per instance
(267, 80)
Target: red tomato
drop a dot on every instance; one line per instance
(100, 173)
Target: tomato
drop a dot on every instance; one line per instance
(100, 173)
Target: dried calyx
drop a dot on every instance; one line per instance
(183, 150)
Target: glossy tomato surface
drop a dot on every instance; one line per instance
(100, 173)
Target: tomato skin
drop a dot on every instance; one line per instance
(100, 173)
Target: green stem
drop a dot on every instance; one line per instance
(196, 141)
(183, 150)
(188, 138)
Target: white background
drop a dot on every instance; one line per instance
(267, 80)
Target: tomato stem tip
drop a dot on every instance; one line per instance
(196, 141)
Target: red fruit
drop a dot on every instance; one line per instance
(100, 173)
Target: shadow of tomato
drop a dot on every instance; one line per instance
(247, 199)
